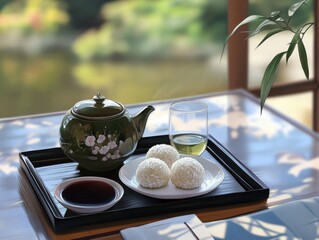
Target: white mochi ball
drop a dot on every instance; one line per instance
(165, 152)
(187, 173)
(152, 173)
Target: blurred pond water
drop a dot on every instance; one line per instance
(55, 80)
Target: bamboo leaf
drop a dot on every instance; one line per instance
(247, 20)
(293, 8)
(269, 77)
(280, 19)
(274, 15)
(303, 58)
(268, 35)
(292, 44)
(262, 26)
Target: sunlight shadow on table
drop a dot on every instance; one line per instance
(290, 221)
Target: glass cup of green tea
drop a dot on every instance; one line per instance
(188, 127)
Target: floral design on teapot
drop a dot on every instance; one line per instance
(100, 146)
(107, 147)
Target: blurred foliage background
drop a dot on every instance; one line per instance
(54, 53)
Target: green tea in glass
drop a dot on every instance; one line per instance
(188, 127)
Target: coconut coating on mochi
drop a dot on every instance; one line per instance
(165, 152)
(187, 173)
(152, 173)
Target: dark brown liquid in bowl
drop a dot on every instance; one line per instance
(89, 193)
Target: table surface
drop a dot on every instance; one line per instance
(282, 153)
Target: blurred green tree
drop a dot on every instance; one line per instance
(33, 16)
(143, 28)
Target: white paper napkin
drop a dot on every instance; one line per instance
(187, 227)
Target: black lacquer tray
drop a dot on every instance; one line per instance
(48, 167)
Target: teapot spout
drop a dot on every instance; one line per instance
(140, 120)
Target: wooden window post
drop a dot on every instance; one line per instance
(238, 45)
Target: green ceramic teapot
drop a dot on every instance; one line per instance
(100, 133)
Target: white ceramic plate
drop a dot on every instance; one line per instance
(214, 175)
(88, 208)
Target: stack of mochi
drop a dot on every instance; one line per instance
(163, 163)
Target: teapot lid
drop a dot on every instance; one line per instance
(98, 108)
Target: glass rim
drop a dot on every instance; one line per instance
(188, 106)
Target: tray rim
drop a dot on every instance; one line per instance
(254, 188)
